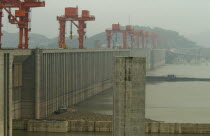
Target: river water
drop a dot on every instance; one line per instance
(180, 102)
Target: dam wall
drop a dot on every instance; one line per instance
(144, 52)
(157, 58)
(36, 82)
(39, 82)
(68, 77)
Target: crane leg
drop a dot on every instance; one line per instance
(124, 39)
(108, 38)
(137, 41)
(153, 43)
(62, 32)
(26, 38)
(147, 42)
(1, 15)
(20, 38)
(26, 29)
(81, 34)
(131, 41)
(142, 41)
(108, 42)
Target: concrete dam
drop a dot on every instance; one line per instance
(36, 82)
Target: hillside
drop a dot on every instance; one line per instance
(10, 40)
(202, 38)
(171, 39)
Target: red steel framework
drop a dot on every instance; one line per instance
(146, 36)
(133, 34)
(20, 18)
(116, 29)
(154, 39)
(129, 31)
(138, 34)
(71, 14)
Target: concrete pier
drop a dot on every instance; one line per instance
(2, 95)
(38, 56)
(129, 96)
(6, 61)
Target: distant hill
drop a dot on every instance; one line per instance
(10, 40)
(202, 39)
(171, 39)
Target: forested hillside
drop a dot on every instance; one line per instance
(170, 39)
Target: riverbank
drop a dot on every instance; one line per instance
(94, 122)
(106, 126)
(72, 120)
(73, 114)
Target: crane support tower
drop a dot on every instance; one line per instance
(21, 17)
(71, 14)
(154, 38)
(138, 34)
(146, 36)
(116, 29)
(133, 34)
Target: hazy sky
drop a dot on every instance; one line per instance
(184, 16)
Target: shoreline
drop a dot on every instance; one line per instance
(94, 122)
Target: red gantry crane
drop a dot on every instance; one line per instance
(21, 17)
(116, 29)
(146, 37)
(71, 14)
(154, 39)
(138, 34)
(129, 31)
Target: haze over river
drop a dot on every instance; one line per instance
(178, 102)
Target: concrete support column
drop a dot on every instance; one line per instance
(2, 94)
(9, 101)
(129, 96)
(6, 62)
(38, 55)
